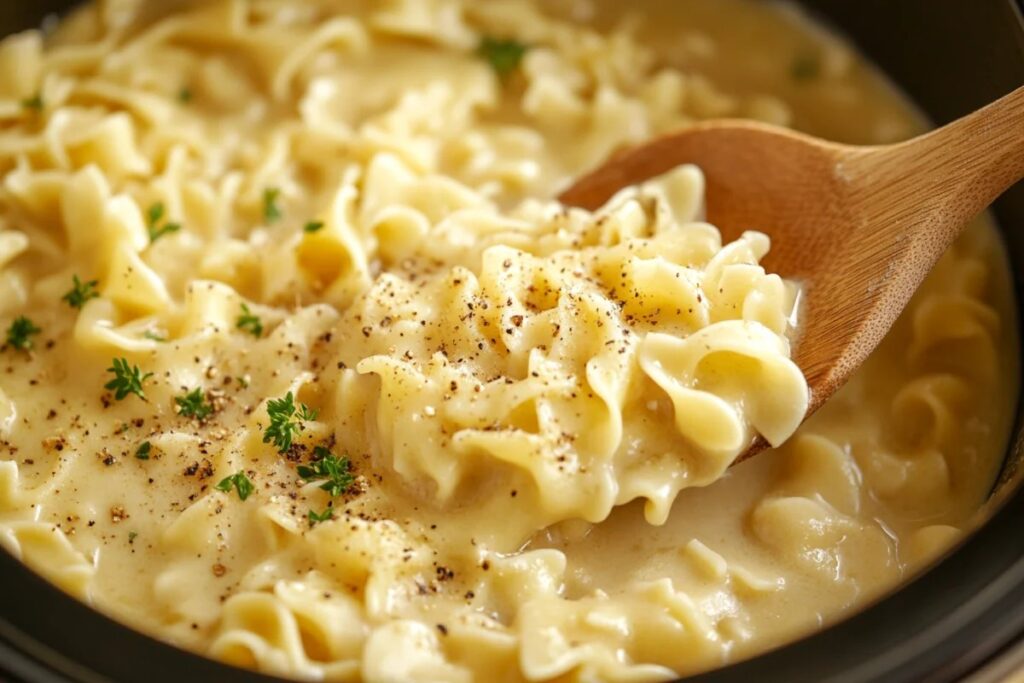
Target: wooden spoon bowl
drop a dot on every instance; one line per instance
(858, 227)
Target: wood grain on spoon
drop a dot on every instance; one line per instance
(858, 227)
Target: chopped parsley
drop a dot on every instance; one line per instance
(271, 211)
(128, 379)
(324, 516)
(333, 470)
(81, 292)
(149, 334)
(504, 55)
(19, 334)
(154, 215)
(239, 482)
(249, 322)
(313, 226)
(34, 103)
(285, 421)
(194, 404)
(805, 67)
(132, 535)
(185, 95)
(142, 453)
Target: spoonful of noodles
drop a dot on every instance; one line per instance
(859, 227)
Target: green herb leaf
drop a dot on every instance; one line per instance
(185, 95)
(19, 334)
(324, 516)
(81, 292)
(34, 103)
(806, 67)
(306, 414)
(149, 334)
(142, 453)
(334, 470)
(128, 379)
(249, 322)
(239, 482)
(284, 423)
(157, 233)
(504, 55)
(132, 535)
(313, 226)
(194, 404)
(154, 215)
(271, 211)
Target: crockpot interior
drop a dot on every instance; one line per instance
(950, 57)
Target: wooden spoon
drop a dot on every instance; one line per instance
(858, 227)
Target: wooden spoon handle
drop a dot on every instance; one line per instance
(932, 185)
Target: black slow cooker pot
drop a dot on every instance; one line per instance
(963, 619)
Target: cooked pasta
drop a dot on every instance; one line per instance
(307, 369)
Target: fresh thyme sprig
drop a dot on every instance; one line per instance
(194, 404)
(334, 471)
(35, 103)
(271, 211)
(315, 517)
(154, 215)
(504, 55)
(20, 333)
(238, 481)
(249, 322)
(285, 421)
(128, 379)
(81, 292)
